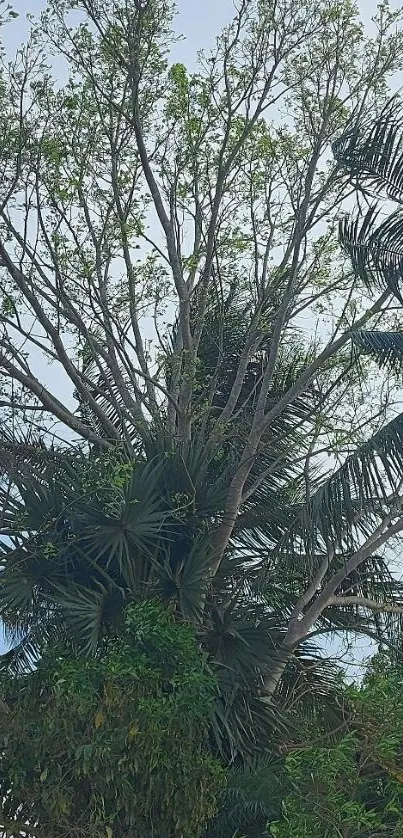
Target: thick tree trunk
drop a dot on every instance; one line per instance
(280, 663)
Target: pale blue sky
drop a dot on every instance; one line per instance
(198, 20)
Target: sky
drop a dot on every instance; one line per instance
(199, 21)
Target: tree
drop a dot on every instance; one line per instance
(163, 235)
(351, 784)
(105, 746)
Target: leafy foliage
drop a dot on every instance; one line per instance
(352, 786)
(106, 746)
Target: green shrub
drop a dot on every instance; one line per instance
(113, 745)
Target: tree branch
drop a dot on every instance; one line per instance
(364, 602)
(54, 335)
(52, 404)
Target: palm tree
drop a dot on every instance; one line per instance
(86, 533)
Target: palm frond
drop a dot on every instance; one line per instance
(310, 685)
(375, 250)
(386, 348)
(251, 799)
(241, 637)
(372, 150)
(345, 508)
(359, 490)
(192, 579)
(131, 528)
(104, 387)
(83, 611)
(24, 653)
(242, 725)
(266, 521)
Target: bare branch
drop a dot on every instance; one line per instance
(53, 405)
(364, 602)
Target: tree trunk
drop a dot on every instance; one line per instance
(280, 663)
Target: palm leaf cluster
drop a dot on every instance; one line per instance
(87, 534)
(85, 539)
(372, 153)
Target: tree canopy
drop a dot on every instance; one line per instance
(349, 783)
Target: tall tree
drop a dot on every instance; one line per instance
(168, 243)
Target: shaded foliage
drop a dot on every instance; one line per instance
(106, 746)
(351, 784)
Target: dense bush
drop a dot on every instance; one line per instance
(113, 745)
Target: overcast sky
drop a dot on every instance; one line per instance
(198, 21)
